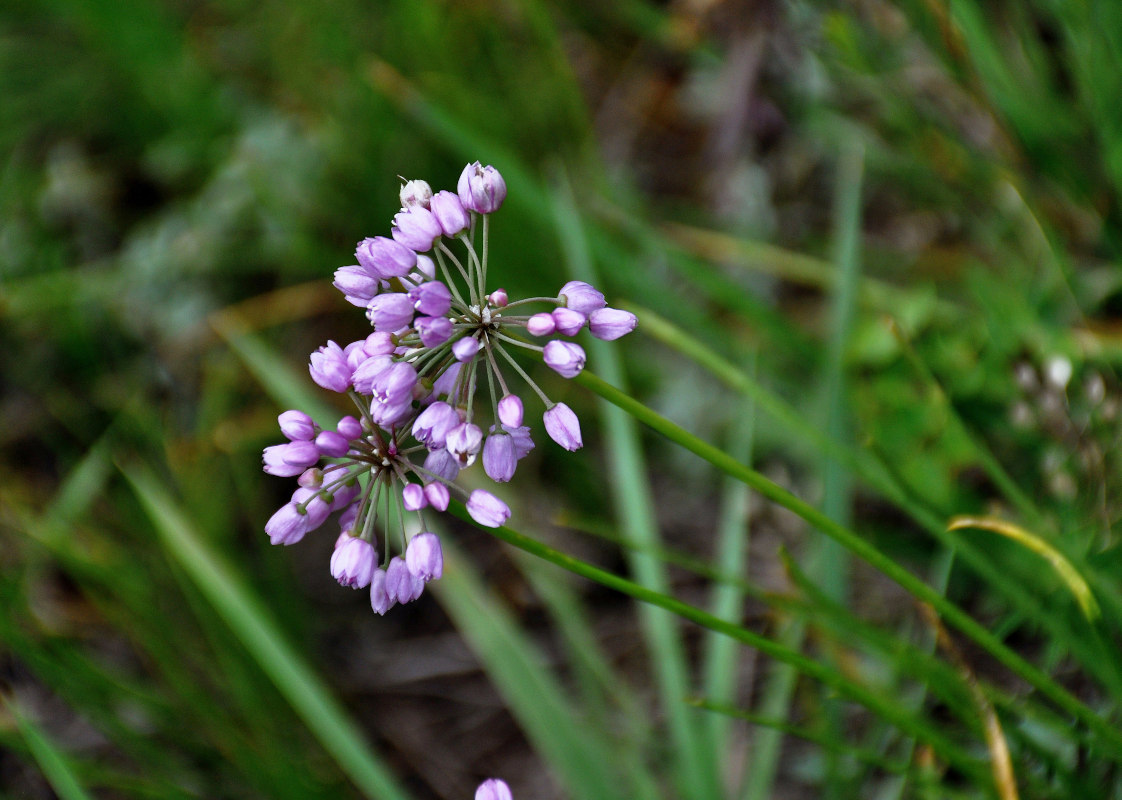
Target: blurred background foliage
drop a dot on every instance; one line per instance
(178, 181)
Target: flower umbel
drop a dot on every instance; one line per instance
(440, 336)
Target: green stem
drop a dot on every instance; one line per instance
(951, 613)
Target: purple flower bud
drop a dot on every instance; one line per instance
(446, 382)
(432, 425)
(344, 495)
(401, 584)
(568, 321)
(493, 789)
(463, 442)
(329, 368)
(581, 296)
(379, 343)
(368, 370)
(287, 525)
(289, 459)
(349, 427)
(391, 394)
(424, 558)
(611, 323)
(486, 509)
(313, 502)
(357, 285)
(380, 599)
(385, 258)
(499, 298)
(480, 188)
(443, 464)
(523, 442)
(413, 497)
(297, 426)
(347, 522)
(564, 358)
(311, 478)
(353, 563)
(332, 444)
(416, 228)
(426, 267)
(510, 410)
(563, 427)
(465, 349)
(499, 461)
(390, 312)
(541, 324)
(431, 298)
(449, 213)
(415, 193)
(437, 495)
(433, 330)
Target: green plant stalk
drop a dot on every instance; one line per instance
(52, 761)
(249, 619)
(720, 656)
(951, 613)
(697, 770)
(869, 698)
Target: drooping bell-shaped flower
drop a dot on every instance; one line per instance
(380, 599)
(424, 557)
(433, 424)
(510, 410)
(463, 442)
(565, 358)
(486, 509)
(582, 297)
(449, 212)
(611, 323)
(431, 298)
(499, 461)
(390, 312)
(568, 321)
(493, 789)
(416, 228)
(353, 563)
(385, 258)
(329, 368)
(297, 426)
(563, 426)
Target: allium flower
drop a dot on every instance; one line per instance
(416, 228)
(380, 599)
(426, 384)
(481, 189)
(582, 297)
(563, 427)
(450, 213)
(567, 321)
(329, 368)
(415, 193)
(384, 258)
(493, 789)
(611, 323)
(499, 460)
(353, 562)
(566, 358)
(510, 410)
(486, 509)
(424, 558)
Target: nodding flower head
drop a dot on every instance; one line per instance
(441, 332)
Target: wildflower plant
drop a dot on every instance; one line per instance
(422, 414)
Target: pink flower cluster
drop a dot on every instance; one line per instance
(438, 337)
